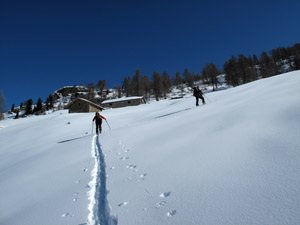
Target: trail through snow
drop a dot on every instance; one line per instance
(98, 207)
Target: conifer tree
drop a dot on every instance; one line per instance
(209, 75)
(277, 57)
(73, 92)
(29, 107)
(2, 105)
(49, 102)
(246, 69)
(197, 77)
(157, 85)
(91, 91)
(188, 78)
(177, 79)
(242, 68)
(39, 105)
(147, 87)
(127, 86)
(119, 90)
(255, 60)
(12, 108)
(17, 115)
(101, 86)
(167, 83)
(267, 64)
(297, 62)
(296, 53)
(252, 69)
(231, 70)
(136, 84)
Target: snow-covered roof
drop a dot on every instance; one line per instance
(122, 99)
(85, 100)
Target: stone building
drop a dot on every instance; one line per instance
(81, 105)
(123, 102)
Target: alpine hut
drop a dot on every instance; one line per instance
(81, 105)
(123, 102)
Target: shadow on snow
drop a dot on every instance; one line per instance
(73, 139)
(102, 210)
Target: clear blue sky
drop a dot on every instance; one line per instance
(45, 45)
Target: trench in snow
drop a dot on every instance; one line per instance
(99, 211)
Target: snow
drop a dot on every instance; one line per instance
(122, 99)
(235, 160)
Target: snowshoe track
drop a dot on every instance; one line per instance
(99, 207)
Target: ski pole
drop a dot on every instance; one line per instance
(107, 124)
(206, 97)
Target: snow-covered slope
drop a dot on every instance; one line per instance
(235, 160)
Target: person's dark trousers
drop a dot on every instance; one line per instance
(197, 101)
(98, 127)
(203, 101)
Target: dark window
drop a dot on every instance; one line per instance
(110, 104)
(129, 102)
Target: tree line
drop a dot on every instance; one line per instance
(159, 85)
(139, 84)
(238, 70)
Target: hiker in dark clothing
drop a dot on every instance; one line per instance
(98, 120)
(198, 94)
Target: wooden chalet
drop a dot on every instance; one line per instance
(123, 102)
(81, 105)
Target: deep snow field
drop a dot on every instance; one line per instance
(233, 161)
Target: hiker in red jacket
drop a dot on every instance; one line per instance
(98, 120)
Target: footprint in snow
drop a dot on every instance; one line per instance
(130, 166)
(84, 169)
(160, 204)
(65, 215)
(171, 213)
(124, 158)
(123, 204)
(142, 177)
(76, 197)
(165, 194)
(77, 181)
(128, 179)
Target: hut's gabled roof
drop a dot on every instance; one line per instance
(122, 99)
(87, 101)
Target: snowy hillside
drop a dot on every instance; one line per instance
(235, 160)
